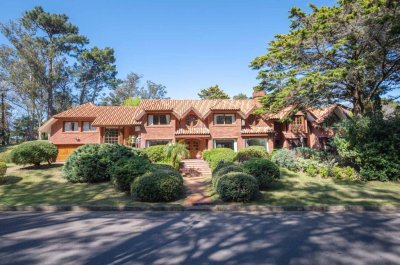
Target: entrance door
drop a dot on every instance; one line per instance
(194, 147)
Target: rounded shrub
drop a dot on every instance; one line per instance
(284, 158)
(93, 162)
(126, 169)
(237, 186)
(213, 156)
(160, 186)
(248, 153)
(34, 153)
(3, 169)
(223, 171)
(156, 153)
(265, 171)
(162, 167)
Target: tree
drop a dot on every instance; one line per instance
(95, 71)
(213, 92)
(176, 152)
(345, 53)
(240, 96)
(132, 101)
(130, 88)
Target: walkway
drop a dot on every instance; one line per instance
(197, 177)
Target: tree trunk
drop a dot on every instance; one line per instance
(3, 120)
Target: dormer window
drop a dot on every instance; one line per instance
(298, 120)
(191, 120)
(224, 119)
(158, 119)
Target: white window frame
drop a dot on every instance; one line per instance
(234, 143)
(150, 119)
(265, 139)
(74, 128)
(157, 140)
(90, 128)
(225, 114)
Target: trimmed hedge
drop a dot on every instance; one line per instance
(160, 186)
(93, 162)
(213, 156)
(162, 167)
(156, 153)
(3, 169)
(248, 153)
(237, 186)
(126, 169)
(265, 171)
(34, 153)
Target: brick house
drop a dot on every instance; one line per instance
(201, 124)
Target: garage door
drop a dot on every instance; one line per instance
(64, 151)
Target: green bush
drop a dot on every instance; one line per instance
(156, 153)
(248, 153)
(311, 171)
(237, 186)
(5, 153)
(223, 171)
(346, 173)
(93, 162)
(34, 153)
(213, 156)
(372, 143)
(160, 186)
(285, 158)
(265, 171)
(126, 169)
(162, 167)
(3, 169)
(302, 163)
(324, 172)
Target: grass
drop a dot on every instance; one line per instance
(300, 189)
(45, 186)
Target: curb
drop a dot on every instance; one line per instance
(200, 208)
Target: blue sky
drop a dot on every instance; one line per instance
(185, 45)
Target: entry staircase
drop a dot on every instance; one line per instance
(195, 168)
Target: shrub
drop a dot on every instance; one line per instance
(302, 164)
(162, 167)
(156, 153)
(237, 186)
(213, 156)
(3, 169)
(311, 171)
(175, 152)
(265, 171)
(248, 153)
(324, 172)
(160, 186)
(93, 162)
(5, 153)
(126, 169)
(285, 158)
(347, 173)
(34, 152)
(223, 171)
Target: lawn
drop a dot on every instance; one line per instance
(29, 186)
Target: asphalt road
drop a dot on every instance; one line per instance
(199, 238)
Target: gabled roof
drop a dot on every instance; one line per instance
(321, 114)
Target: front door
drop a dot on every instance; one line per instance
(194, 147)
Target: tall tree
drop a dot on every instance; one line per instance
(55, 40)
(240, 96)
(95, 71)
(213, 92)
(345, 53)
(130, 88)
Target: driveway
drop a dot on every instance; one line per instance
(199, 238)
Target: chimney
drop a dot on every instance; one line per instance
(259, 93)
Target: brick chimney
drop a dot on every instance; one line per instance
(259, 94)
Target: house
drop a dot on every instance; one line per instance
(201, 124)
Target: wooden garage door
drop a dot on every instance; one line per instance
(64, 151)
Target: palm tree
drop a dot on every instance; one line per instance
(176, 152)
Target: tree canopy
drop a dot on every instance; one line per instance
(345, 53)
(240, 96)
(213, 92)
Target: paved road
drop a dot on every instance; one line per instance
(199, 238)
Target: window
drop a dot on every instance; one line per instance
(254, 120)
(191, 120)
(257, 142)
(298, 120)
(111, 136)
(225, 144)
(87, 127)
(224, 118)
(70, 126)
(158, 119)
(157, 142)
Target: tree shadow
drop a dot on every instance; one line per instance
(42, 166)
(9, 180)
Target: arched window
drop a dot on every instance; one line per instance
(191, 120)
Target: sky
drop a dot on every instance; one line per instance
(186, 45)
